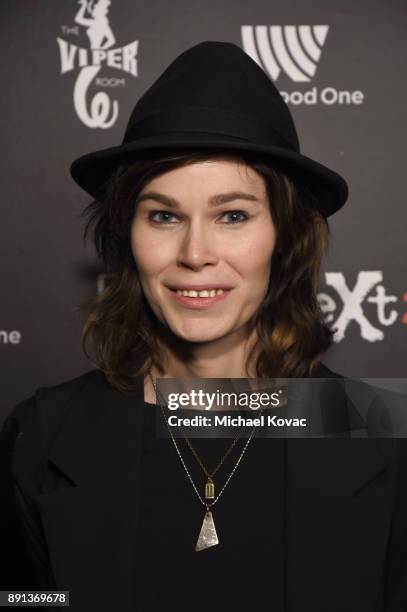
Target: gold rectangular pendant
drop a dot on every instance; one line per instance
(209, 490)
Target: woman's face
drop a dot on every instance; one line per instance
(207, 223)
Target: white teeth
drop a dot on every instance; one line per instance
(204, 293)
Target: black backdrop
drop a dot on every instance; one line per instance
(341, 65)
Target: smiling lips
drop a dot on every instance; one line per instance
(200, 287)
(199, 298)
(205, 293)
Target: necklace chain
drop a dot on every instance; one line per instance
(206, 504)
(211, 474)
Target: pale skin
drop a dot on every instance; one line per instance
(197, 243)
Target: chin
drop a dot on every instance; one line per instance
(198, 335)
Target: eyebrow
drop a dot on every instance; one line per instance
(215, 200)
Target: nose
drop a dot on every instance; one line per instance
(197, 247)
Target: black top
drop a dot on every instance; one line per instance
(246, 568)
(93, 502)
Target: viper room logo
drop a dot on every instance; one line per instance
(97, 111)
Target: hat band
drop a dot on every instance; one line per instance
(209, 121)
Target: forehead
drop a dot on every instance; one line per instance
(209, 175)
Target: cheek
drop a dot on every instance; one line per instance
(255, 253)
(149, 252)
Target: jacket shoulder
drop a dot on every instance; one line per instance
(322, 371)
(52, 399)
(39, 415)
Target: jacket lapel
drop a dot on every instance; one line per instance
(338, 505)
(90, 526)
(338, 514)
(338, 509)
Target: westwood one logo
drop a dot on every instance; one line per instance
(368, 290)
(92, 16)
(294, 51)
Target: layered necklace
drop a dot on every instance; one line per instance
(207, 535)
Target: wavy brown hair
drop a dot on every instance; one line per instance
(120, 327)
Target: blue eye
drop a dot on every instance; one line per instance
(159, 212)
(237, 212)
(167, 215)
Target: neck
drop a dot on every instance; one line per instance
(223, 358)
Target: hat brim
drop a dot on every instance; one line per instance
(93, 170)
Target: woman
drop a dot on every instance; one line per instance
(207, 191)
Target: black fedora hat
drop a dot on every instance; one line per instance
(214, 95)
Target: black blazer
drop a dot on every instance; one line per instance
(70, 469)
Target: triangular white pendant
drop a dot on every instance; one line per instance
(207, 536)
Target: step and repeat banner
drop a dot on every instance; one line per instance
(71, 74)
